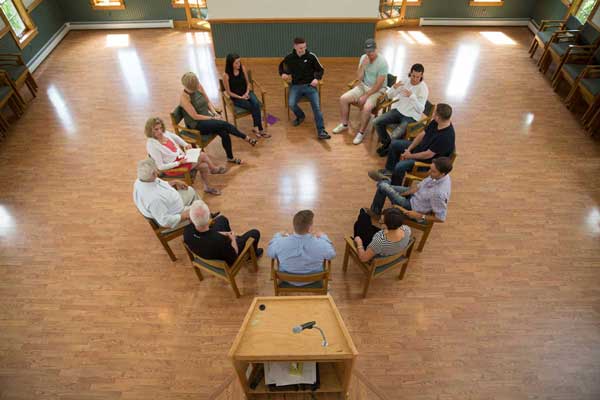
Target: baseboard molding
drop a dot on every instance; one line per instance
(168, 23)
(50, 45)
(474, 22)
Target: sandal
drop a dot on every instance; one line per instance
(234, 161)
(262, 134)
(219, 170)
(251, 141)
(213, 191)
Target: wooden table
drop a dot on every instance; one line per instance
(266, 335)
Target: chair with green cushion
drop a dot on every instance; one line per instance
(303, 99)
(220, 269)
(563, 45)
(587, 88)
(281, 280)
(577, 64)
(378, 266)
(8, 96)
(191, 136)
(549, 29)
(164, 235)
(238, 112)
(14, 65)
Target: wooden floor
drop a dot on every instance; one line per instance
(502, 304)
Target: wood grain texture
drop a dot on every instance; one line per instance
(503, 303)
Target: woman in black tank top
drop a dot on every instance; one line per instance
(237, 87)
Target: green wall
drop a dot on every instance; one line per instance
(461, 9)
(49, 18)
(275, 39)
(548, 9)
(80, 10)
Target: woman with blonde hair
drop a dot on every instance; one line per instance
(199, 113)
(165, 148)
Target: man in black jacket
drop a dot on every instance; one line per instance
(303, 71)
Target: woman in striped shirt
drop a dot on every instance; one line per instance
(386, 242)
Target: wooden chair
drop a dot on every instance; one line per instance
(164, 235)
(220, 269)
(184, 174)
(571, 72)
(383, 103)
(549, 28)
(191, 136)
(420, 171)
(588, 88)
(9, 97)
(593, 127)
(238, 112)
(413, 128)
(18, 72)
(563, 45)
(303, 99)
(319, 285)
(378, 265)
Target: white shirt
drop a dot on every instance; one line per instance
(412, 106)
(158, 200)
(162, 155)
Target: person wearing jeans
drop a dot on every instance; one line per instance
(237, 87)
(302, 70)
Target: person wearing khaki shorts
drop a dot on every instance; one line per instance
(372, 73)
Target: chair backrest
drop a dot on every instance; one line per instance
(177, 115)
(588, 35)
(391, 80)
(595, 59)
(572, 23)
(221, 86)
(378, 262)
(429, 107)
(219, 266)
(155, 226)
(300, 278)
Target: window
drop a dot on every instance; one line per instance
(486, 3)
(108, 4)
(192, 3)
(585, 9)
(21, 26)
(413, 2)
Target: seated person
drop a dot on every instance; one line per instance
(437, 140)
(237, 87)
(411, 94)
(422, 198)
(302, 70)
(165, 149)
(301, 252)
(165, 202)
(380, 243)
(199, 113)
(216, 240)
(372, 76)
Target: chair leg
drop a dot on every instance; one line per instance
(234, 286)
(15, 106)
(3, 123)
(198, 273)
(253, 259)
(346, 256)
(367, 284)
(423, 239)
(31, 89)
(168, 249)
(32, 82)
(533, 48)
(403, 271)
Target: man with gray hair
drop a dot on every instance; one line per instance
(213, 239)
(165, 202)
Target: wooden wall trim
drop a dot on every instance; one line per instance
(291, 20)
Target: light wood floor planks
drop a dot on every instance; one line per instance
(502, 304)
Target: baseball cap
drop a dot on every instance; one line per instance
(370, 45)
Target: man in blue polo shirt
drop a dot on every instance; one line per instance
(422, 202)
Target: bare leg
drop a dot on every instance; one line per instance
(344, 109)
(204, 158)
(365, 116)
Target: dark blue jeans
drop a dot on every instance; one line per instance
(252, 105)
(386, 190)
(298, 91)
(394, 164)
(389, 118)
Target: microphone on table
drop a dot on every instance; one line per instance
(310, 325)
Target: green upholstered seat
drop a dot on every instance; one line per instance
(384, 267)
(14, 70)
(200, 261)
(313, 285)
(545, 35)
(4, 91)
(560, 48)
(574, 70)
(593, 85)
(181, 225)
(240, 110)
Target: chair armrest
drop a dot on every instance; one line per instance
(259, 86)
(420, 164)
(352, 83)
(351, 243)
(548, 23)
(591, 71)
(386, 103)
(12, 56)
(183, 170)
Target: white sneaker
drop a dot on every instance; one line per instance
(358, 138)
(340, 128)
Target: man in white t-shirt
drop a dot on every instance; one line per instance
(411, 96)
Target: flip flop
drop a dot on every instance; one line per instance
(213, 191)
(234, 161)
(252, 141)
(262, 134)
(219, 170)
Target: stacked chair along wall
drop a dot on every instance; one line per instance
(563, 45)
(587, 88)
(549, 29)
(383, 103)
(8, 96)
(594, 125)
(16, 69)
(319, 282)
(192, 136)
(164, 235)
(220, 269)
(378, 265)
(578, 63)
(238, 112)
(303, 99)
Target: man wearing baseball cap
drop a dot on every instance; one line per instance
(372, 73)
